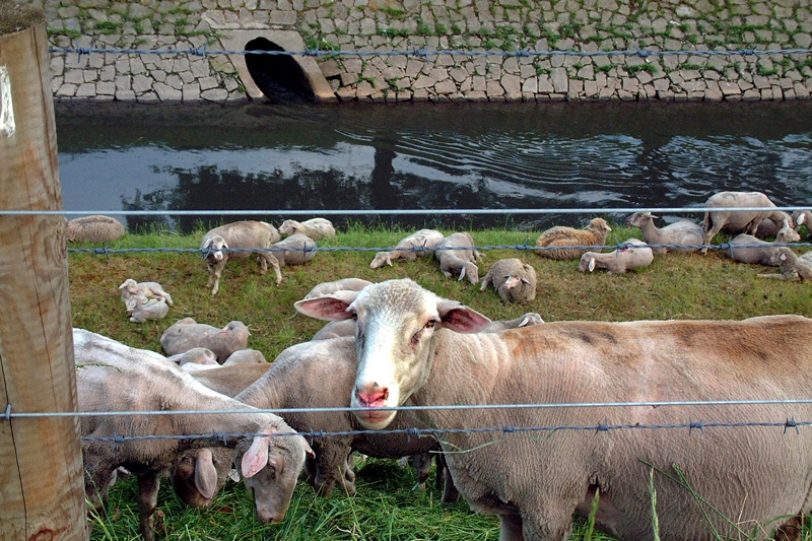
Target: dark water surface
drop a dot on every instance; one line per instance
(430, 156)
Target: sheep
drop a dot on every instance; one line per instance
(681, 236)
(315, 228)
(748, 249)
(195, 359)
(633, 254)
(513, 280)
(186, 334)
(112, 376)
(457, 255)
(94, 228)
(527, 320)
(557, 242)
(792, 266)
(245, 356)
(409, 349)
(325, 288)
(294, 250)
(239, 240)
(420, 243)
(144, 309)
(130, 289)
(735, 222)
(801, 217)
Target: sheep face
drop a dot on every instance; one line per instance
(640, 219)
(288, 227)
(587, 263)
(213, 249)
(381, 259)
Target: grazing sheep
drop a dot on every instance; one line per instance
(326, 288)
(297, 249)
(245, 356)
(186, 334)
(410, 350)
(681, 236)
(239, 240)
(513, 280)
(195, 357)
(419, 243)
(555, 242)
(144, 309)
(792, 266)
(150, 290)
(803, 217)
(112, 376)
(94, 228)
(631, 255)
(457, 256)
(748, 249)
(736, 222)
(315, 228)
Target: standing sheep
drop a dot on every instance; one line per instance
(297, 249)
(419, 243)
(239, 240)
(315, 228)
(457, 255)
(513, 280)
(738, 221)
(748, 249)
(681, 236)
(186, 334)
(94, 228)
(130, 289)
(631, 255)
(557, 242)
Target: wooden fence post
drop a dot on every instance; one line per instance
(41, 478)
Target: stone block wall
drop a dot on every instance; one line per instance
(461, 25)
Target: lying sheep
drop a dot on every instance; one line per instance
(527, 320)
(94, 228)
(130, 289)
(792, 266)
(245, 356)
(512, 279)
(112, 376)
(297, 249)
(681, 236)
(736, 222)
(144, 309)
(326, 288)
(238, 240)
(195, 359)
(748, 249)
(556, 242)
(419, 243)
(315, 228)
(457, 256)
(633, 254)
(186, 334)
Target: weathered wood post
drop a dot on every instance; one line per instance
(41, 479)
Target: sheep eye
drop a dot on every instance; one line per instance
(430, 324)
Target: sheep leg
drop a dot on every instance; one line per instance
(268, 257)
(215, 272)
(148, 485)
(710, 233)
(331, 463)
(791, 276)
(551, 521)
(510, 528)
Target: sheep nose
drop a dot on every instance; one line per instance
(371, 395)
(269, 517)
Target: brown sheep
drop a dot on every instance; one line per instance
(555, 242)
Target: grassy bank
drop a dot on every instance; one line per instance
(386, 506)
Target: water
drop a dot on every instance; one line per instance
(428, 156)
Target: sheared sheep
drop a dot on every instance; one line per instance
(748, 249)
(245, 356)
(557, 242)
(239, 240)
(420, 243)
(315, 228)
(681, 236)
(144, 309)
(94, 228)
(326, 288)
(512, 279)
(736, 222)
(633, 254)
(792, 266)
(297, 249)
(457, 256)
(150, 290)
(195, 359)
(186, 334)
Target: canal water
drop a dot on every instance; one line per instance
(429, 156)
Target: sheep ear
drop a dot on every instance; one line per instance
(207, 244)
(328, 308)
(205, 474)
(460, 318)
(307, 449)
(801, 219)
(256, 457)
(525, 281)
(591, 264)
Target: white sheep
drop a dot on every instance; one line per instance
(457, 257)
(239, 240)
(632, 254)
(680, 236)
(94, 228)
(186, 334)
(792, 266)
(326, 288)
(297, 249)
(195, 359)
(130, 289)
(749, 249)
(513, 280)
(420, 243)
(245, 356)
(736, 222)
(144, 309)
(557, 242)
(315, 228)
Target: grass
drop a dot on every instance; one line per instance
(688, 286)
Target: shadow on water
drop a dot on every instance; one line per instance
(430, 157)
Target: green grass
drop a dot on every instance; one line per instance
(386, 507)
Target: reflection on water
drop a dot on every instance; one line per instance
(430, 157)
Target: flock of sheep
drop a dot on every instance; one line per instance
(210, 368)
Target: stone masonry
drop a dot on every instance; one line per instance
(413, 26)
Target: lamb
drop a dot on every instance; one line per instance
(112, 376)
(557, 242)
(144, 309)
(748, 249)
(195, 359)
(792, 266)
(735, 222)
(315, 228)
(294, 250)
(420, 243)
(94, 228)
(681, 236)
(239, 240)
(245, 356)
(513, 280)
(325, 288)
(410, 349)
(457, 255)
(633, 254)
(130, 289)
(186, 334)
